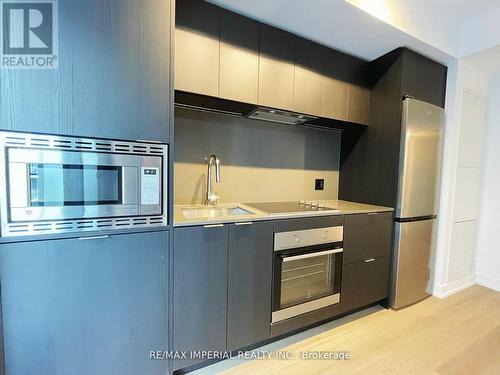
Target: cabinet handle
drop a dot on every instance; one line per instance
(93, 238)
(213, 226)
(244, 223)
(369, 260)
(372, 213)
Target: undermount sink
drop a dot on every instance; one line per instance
(214, 212)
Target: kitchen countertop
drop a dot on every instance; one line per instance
(343, 208)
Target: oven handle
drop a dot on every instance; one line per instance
(312, 255)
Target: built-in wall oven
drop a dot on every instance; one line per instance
(307, 271)
(51, 184)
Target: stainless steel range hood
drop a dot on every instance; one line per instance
(184, 99)
(277, 115)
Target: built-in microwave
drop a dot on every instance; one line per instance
(56, 184)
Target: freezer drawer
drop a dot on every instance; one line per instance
(411, 269)
(364, 283)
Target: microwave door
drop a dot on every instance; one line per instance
(59, 185)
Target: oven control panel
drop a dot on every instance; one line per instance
(309, 237)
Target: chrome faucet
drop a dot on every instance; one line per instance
(211, 198)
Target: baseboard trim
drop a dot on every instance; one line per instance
(488, 282)
(446, 290)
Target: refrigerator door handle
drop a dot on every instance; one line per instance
(413, 219)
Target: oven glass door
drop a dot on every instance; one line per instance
(306, 281)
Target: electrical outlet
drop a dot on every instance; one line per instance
(319, 184)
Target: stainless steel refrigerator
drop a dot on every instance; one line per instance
(416, 208)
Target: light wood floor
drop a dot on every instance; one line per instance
(457, 335)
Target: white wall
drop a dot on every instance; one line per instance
(488, 257)
(454, 261)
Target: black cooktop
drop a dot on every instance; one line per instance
(289, 207)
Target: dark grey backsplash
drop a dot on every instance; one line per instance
(251, 143)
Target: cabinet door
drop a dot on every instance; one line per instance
(113, 79)
(336, 85)
(276, 68)
(239, 58)
(364, 283)
(423, 78)
(200, 290)
(249, 284)
(82, 307)
(359, 95)
(367, 236)
(309, 81)
(197, 47)
(359, 104)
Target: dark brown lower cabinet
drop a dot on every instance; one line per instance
(249, 284)
(95, 306)
(367, 236)
(223, 280)
(222, 287)
(200, 290)
(365, 282)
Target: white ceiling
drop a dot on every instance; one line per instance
(462, 10)
(432, 27)
(481, 33)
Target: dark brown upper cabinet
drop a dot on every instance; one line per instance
(220, 54)
(309, 82)
(113, 79)
(359, 93)
(197, 47)
(358, 109)
(336, 78)
(276, 68)
(423, 78)
(239, 58)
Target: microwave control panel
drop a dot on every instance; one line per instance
(150, 186)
